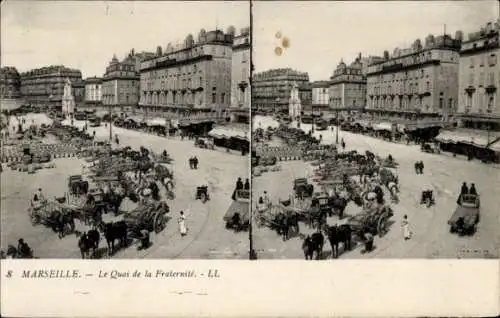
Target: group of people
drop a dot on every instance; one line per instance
(466, 190)
(240, 186)
(23, 251)
(193, 162)
(419, 167)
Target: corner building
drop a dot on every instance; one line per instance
(240, 77)
(195, 76)
(120, 84)
(479, 100)
(347, 91)
(44, 87)
(416, 83)
(271, 89)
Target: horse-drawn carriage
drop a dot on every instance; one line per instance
(430, 148)
(237, 216)
(201, 143)
(466, 216)
(202, 193)
(77, 185)
(373, 220)
(150, 216)
(302, 188)
(59, 218)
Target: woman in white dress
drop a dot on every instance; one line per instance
(405, 224)
(182, 224)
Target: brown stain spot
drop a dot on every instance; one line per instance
(278, 35)
(278, 51)
(285, 42)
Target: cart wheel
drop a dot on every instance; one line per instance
(382, 226)
(159, 222)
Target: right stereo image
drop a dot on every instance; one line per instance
(378, 139)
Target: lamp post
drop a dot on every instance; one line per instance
(276, 107)
(313, 121)
(337, 128)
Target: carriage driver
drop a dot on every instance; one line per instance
(38, 198)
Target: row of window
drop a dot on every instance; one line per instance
(483, 60)
(474, 103)
(481, 79)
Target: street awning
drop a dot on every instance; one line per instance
(383, 126)
(226, 133)
(468, 137)
(157, 122)
(495, 146)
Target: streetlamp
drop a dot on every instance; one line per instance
(337, 128)
(276, 108)
(313, 121)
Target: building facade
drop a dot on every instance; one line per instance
(10, 83)
(305, 94)
(93, 91)
(347, 90)
(271, 89)
(44, 87)
(479, 79)
(320, 93)
(10, 88)
(240, 77)
(194, 77)
(419, 82)
(120, 84)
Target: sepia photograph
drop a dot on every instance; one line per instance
(125, 129)
(376, 130)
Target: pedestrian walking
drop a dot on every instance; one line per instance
(421, 167)
(182, 224)
(405, 224)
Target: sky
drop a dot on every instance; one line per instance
(86, 34)
(320, 34)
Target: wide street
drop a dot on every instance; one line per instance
(207, 237)
(431, 238)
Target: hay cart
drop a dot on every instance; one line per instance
(48, 212)
(151, 216)
(374, 220)
(237, 216)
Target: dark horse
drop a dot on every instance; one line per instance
(338, 205)
(339, 234)
(285, 223)
(62, 222)
(114, 231)
(313, 243)
(89, 241)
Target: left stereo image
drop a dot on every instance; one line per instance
(127, 137)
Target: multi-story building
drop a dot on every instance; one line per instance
(120, 84)
(347, 91)
(240, 77)
(44, 87)
(193, 77)
(10, 88)
(305, 94)
(419, 82)
(93, 91)
(320, 93)
(479, 79)
(271, 89)
(10, 83)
